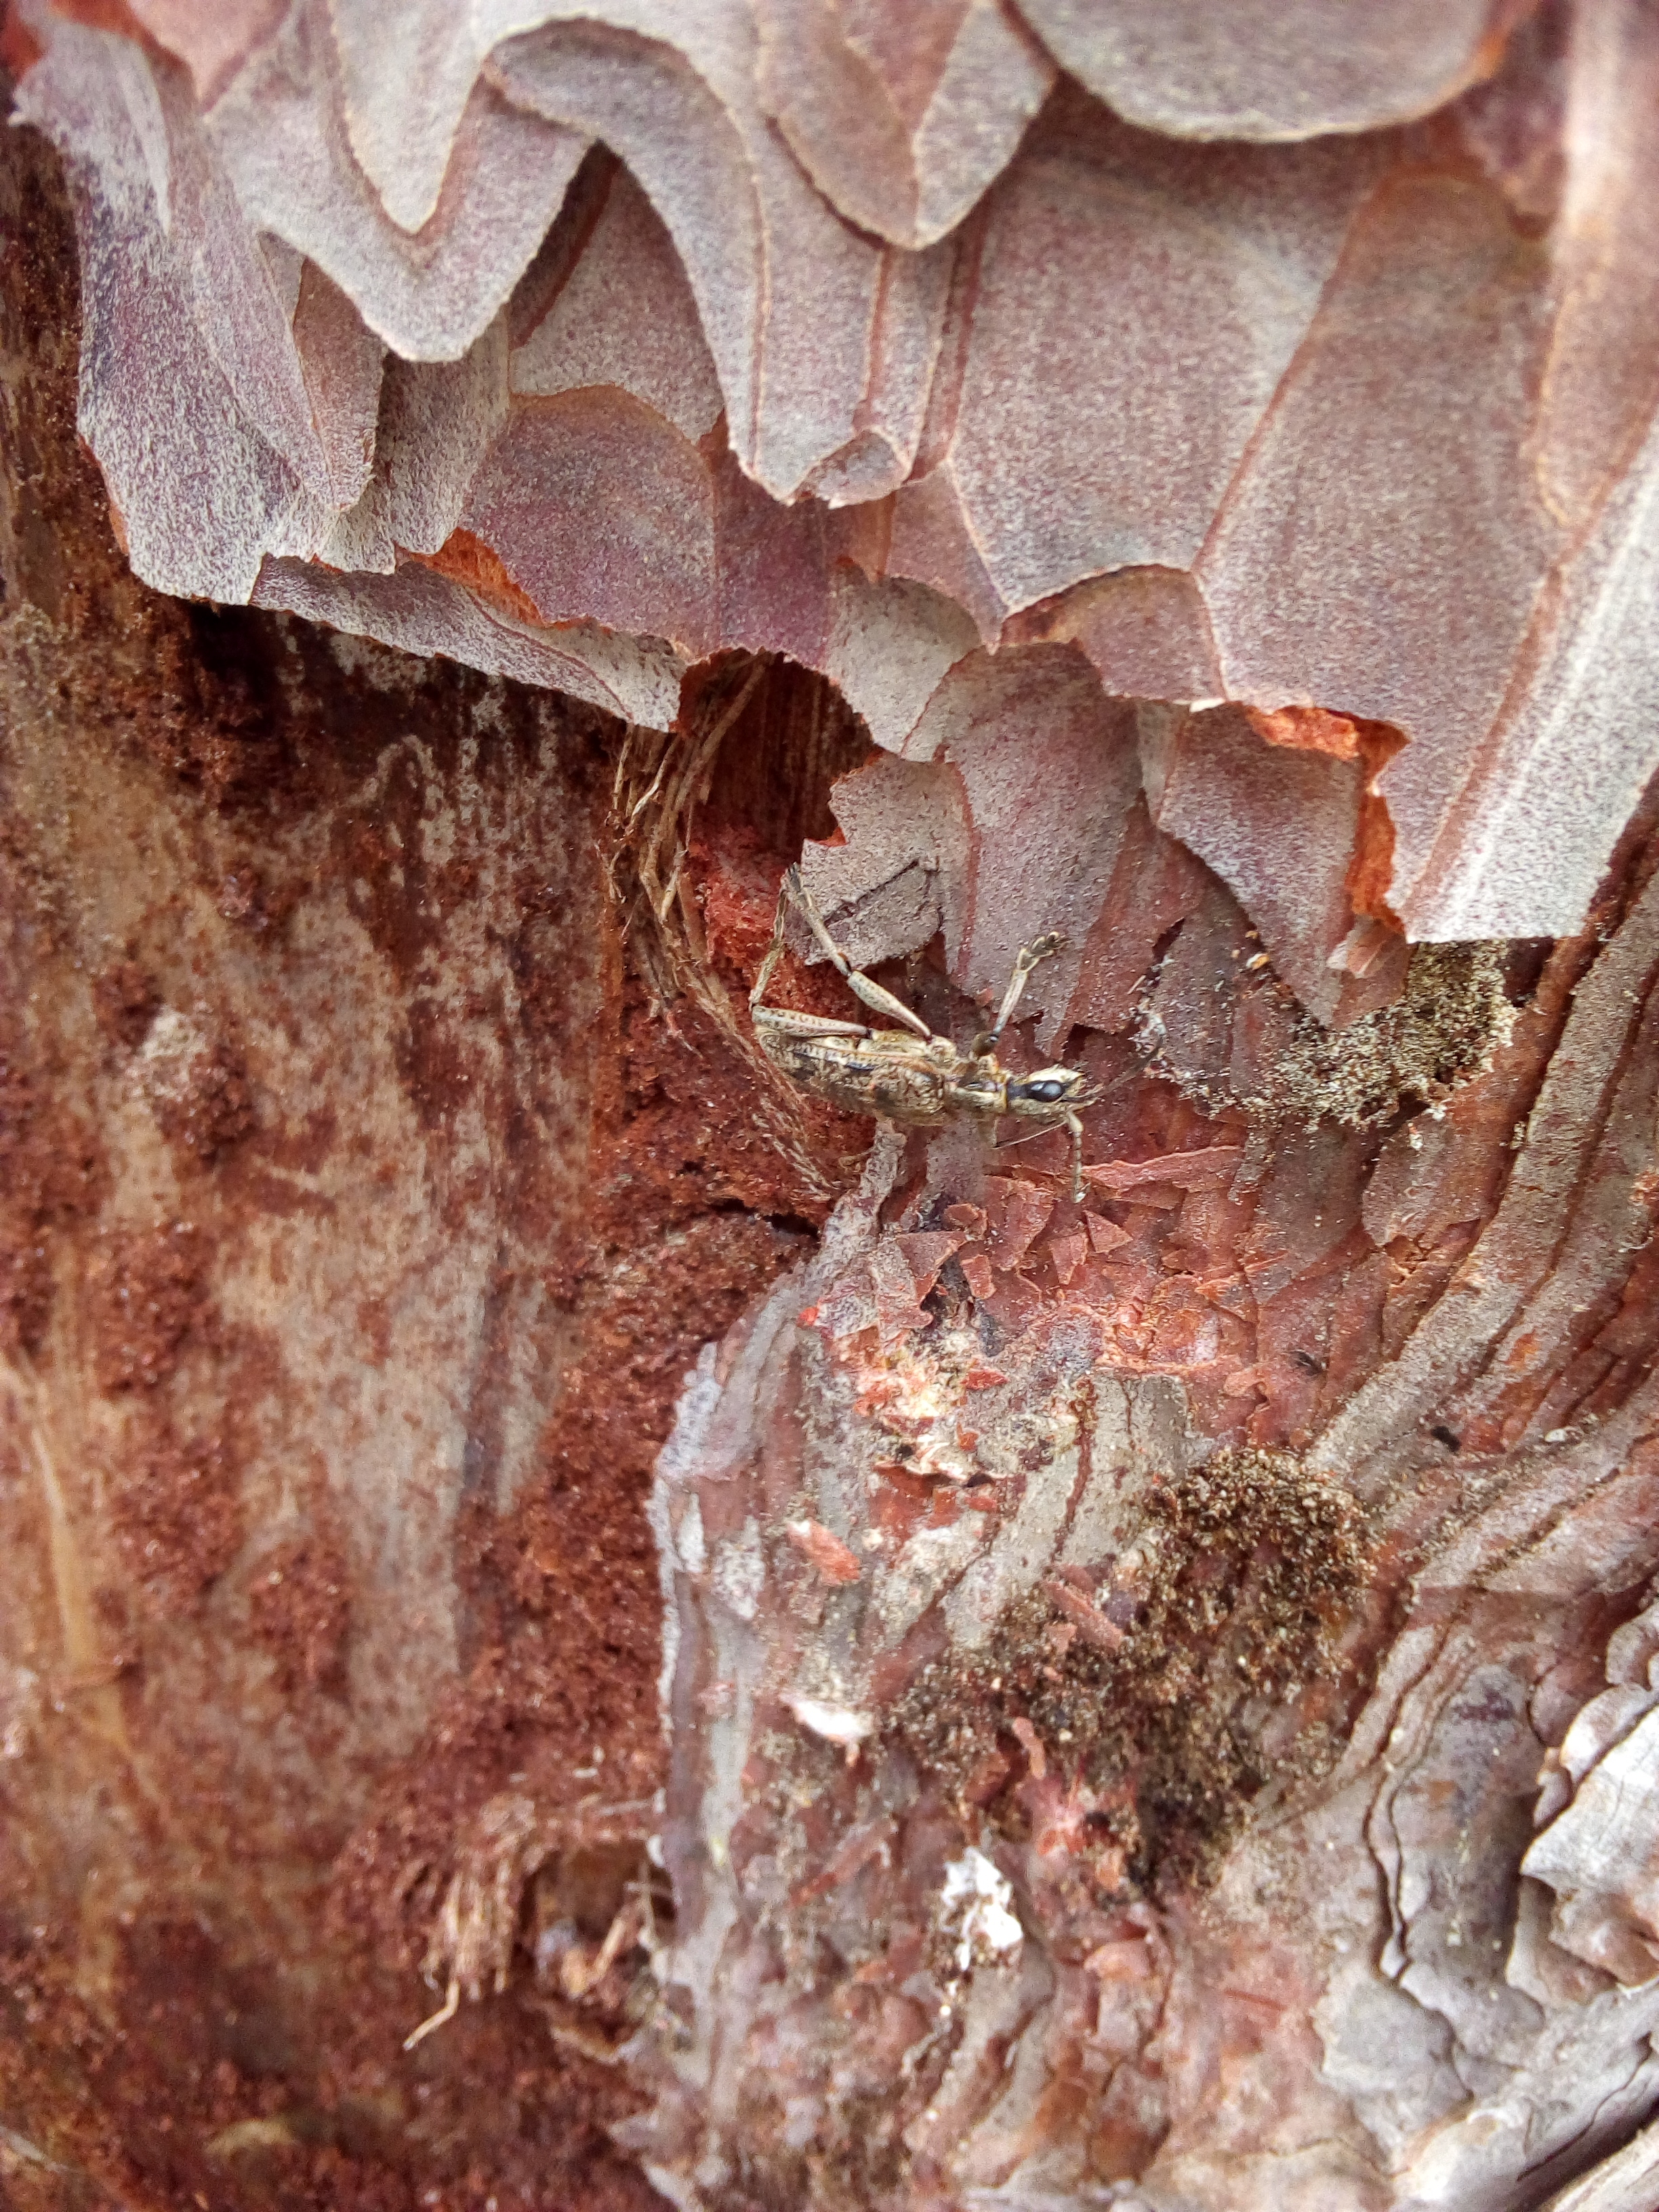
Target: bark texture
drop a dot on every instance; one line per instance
(576, 1625)
(347, 1288)
(1329, 375)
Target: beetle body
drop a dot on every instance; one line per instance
(909, 1075)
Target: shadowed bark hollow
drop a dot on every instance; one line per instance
(579, 1627)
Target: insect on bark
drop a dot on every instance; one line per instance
(908, 1075)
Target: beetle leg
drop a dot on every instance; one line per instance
(785, 1022)
(878, 1000)
(1026, 959)
(1074, 1128)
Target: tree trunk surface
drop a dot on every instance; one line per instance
(579, 1626)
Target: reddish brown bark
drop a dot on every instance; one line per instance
(1156, 1692)
(239, 1774)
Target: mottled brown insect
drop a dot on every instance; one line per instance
(909, 1075)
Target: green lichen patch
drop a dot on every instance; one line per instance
(1228, 1599)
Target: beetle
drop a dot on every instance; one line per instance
(908, 1075)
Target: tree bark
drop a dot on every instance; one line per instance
(578, 1624)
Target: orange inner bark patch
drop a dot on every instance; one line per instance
(1347, 738)
(1372, 865)
(1371, 869)
(1306, 729)
(470, 561)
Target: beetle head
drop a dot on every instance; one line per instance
(1049, 1093)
